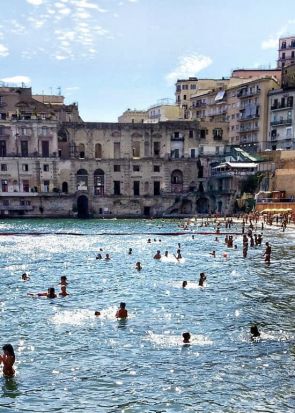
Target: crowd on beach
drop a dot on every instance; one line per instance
(252, 227)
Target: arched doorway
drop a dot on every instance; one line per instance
(176, 181)
(202, 206)
(99, 182)
(82, 206)
(64, 188)
(186, 207)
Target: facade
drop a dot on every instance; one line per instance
(133, 116)
(286, 55)
(163, 112)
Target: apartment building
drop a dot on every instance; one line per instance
(286, 52)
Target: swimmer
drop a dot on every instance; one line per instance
(97, 313)
(130, 251)
(8, 359)
(225, 255)
(216, 239)
(184, 284)
(149, 241)
(186, 338)
(49, 294)
(107, 257)
(267, 253)
(25, 277)
(157, 256)
(63, 291)
(138, 266)
(166, 253)
(63, 280)
(99, 256)
(213, 253)
(254, 332)
(122, 312)
(202, 279)
(178, 255)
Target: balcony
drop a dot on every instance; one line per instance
(281, 107)
(281, 122)
(217, 137)
(244, 118)
(247, 93)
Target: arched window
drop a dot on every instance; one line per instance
(99, 182)
(82, 180)
(176, 181)
(98, 151)
(81, 151)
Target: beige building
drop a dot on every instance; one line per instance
(163, 111)
(133, 116)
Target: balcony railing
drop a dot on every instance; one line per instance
(246, 94)
(249, 117)
(280, 107)
(281, 122)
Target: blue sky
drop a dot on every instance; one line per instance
(110, 55)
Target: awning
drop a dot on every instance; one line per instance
(219, 95)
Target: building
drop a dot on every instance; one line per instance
(286, 52)
(133, 116)
(163, 111)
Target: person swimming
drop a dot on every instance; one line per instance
(186, 338)
(138, 266)
(8, 360)
(63, 291)
(213, 253)
(166, 253)
(178, 255)
(122, 312)
(202, 279)
(130, 251)
(63, 280)
(49, 294)
(157, 256)
(97, 313)
(184, 284)
(99, 256)
(254, 332)
(25, 277)
(107, 257)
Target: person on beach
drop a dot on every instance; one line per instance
(138, 266)
(122, 312)
(157, 256)
(267, 253)
(202, 279)
(63, 291)
(8, 360)
(186, 338)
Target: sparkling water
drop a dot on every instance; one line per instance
(69, 360)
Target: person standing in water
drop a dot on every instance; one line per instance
(122, 312)
(267, 253)
(186, 338)
(8, 360)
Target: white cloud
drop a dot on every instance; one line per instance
(35, 2)
(3, 51)
(84, 4)
(273, 41)
(16, 79)
(188, 66)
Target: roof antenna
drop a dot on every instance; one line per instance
(59, 91)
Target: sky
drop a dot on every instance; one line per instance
(111, 55)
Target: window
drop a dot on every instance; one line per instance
(117, 188)
(136, 186)
(193, 153)
(201, 150)
(136, 149)
(3, 167)
(184, 87)
(81, 151)
(117, 168)
(98, 151)
(191, 133)
(26, 185)
(156, 187)
(2, 148)
(25, 167)
(184, 97)
(217, 150)
(157, 148)
(156, 168)
(44, 131)
(117, 149)
(45, 149)
(193, 86)
(46, 186)
(136, 168)
(24, 148)
(4, 185)
(46, 167)
(6, 202)
(289, 132)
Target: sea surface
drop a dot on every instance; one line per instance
(68, 360)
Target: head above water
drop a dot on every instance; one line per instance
(51, 292)
(122, 305)
(184, 284)
(186, 337)
(254, 331)
(8, 349)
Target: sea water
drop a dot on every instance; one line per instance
(68, 360)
